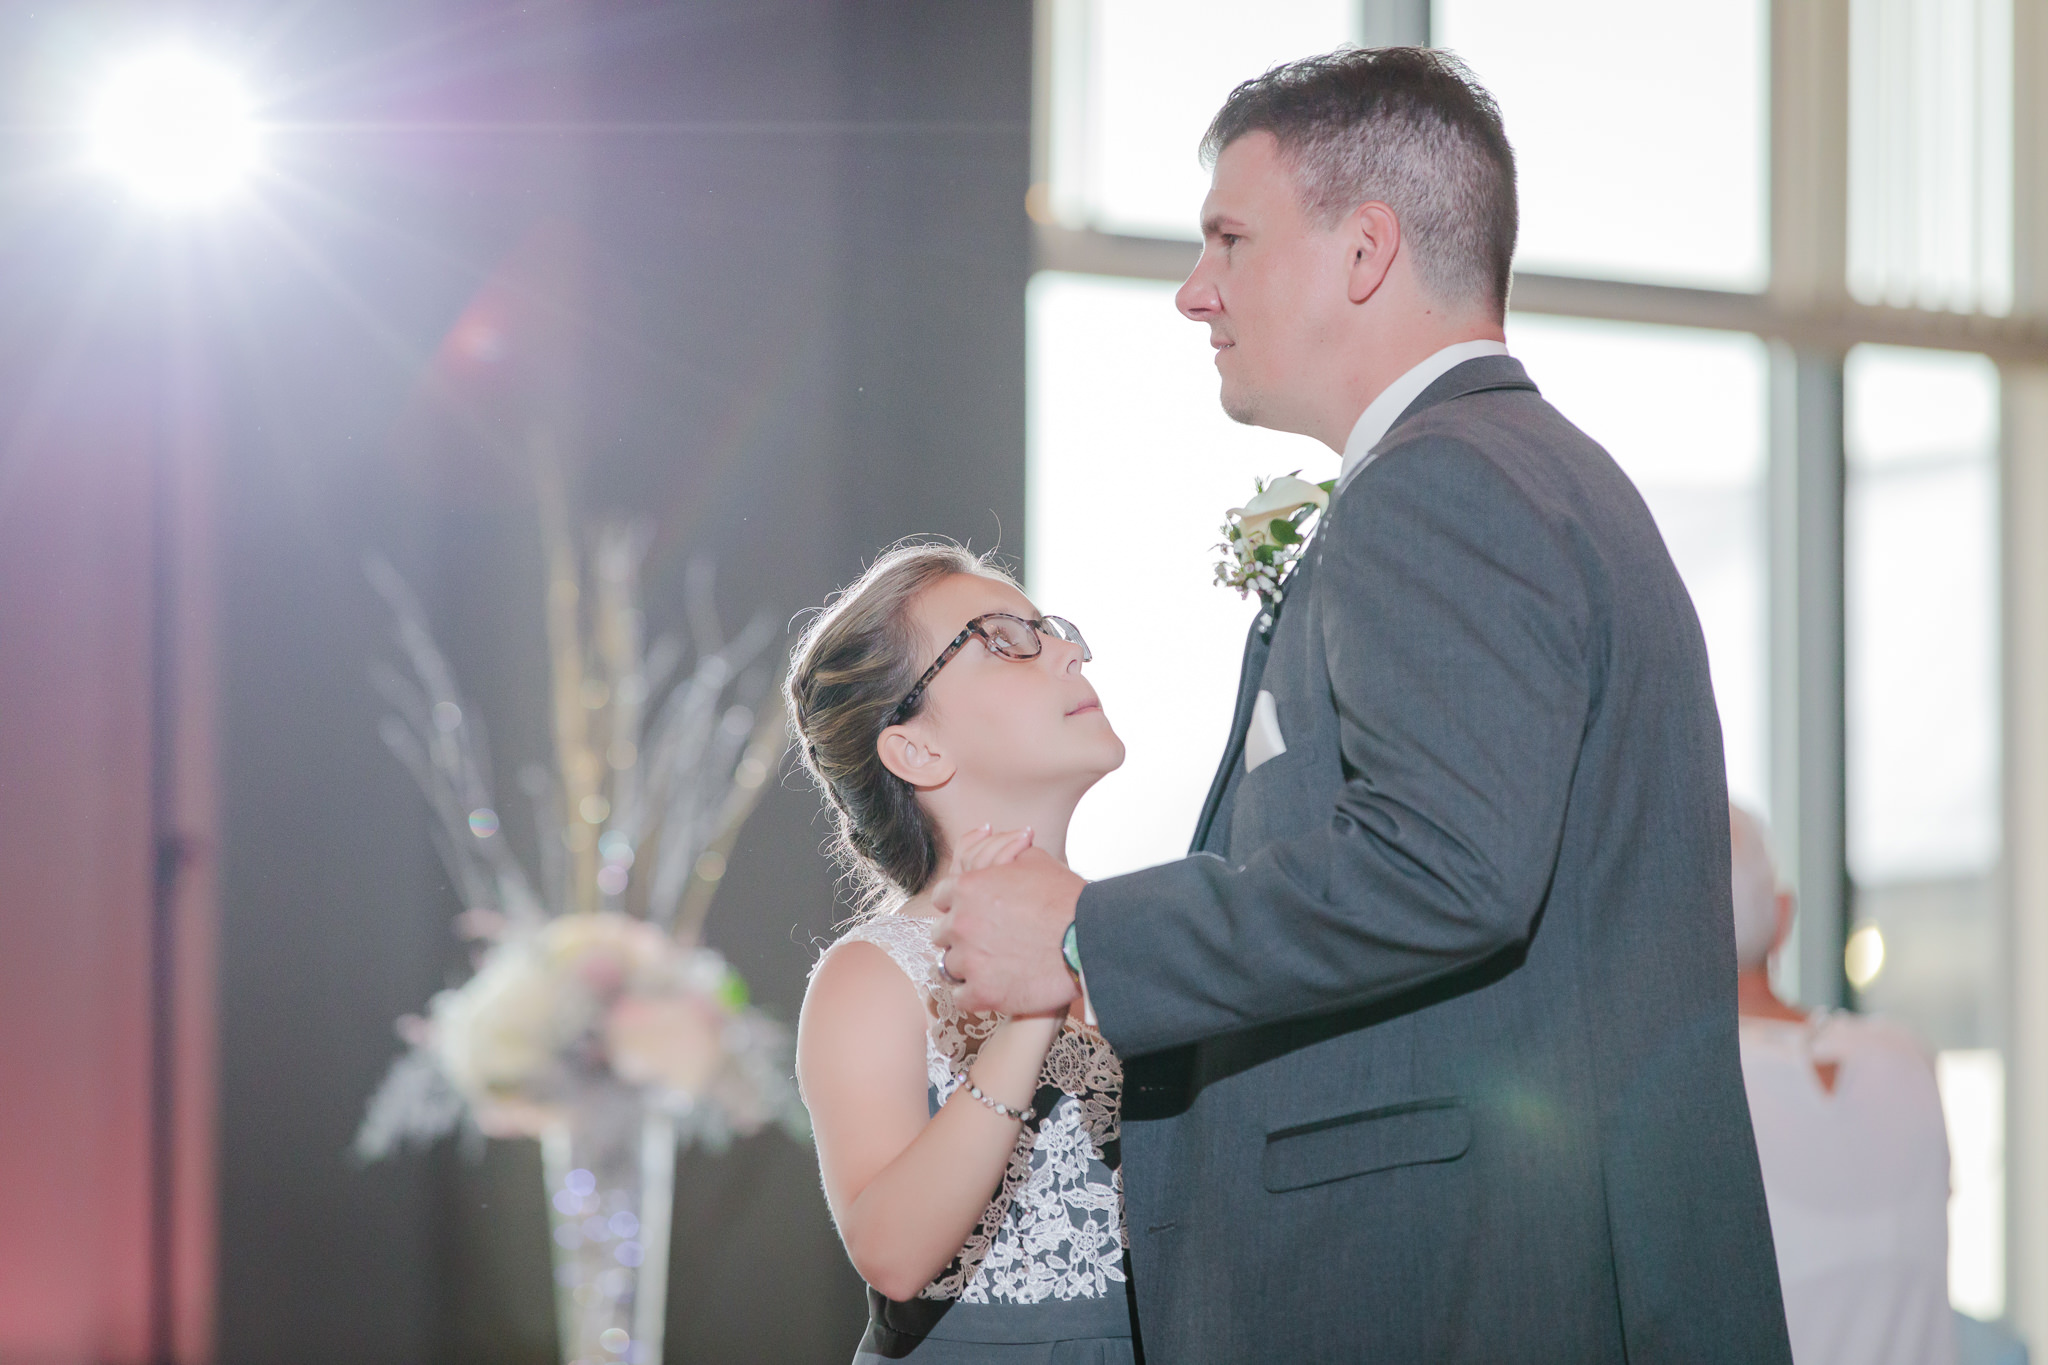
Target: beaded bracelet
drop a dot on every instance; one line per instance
(1021, 1115)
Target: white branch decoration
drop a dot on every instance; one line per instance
(594, 978)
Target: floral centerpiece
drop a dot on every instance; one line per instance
(594, 1019)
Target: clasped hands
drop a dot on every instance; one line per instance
(1003, 907)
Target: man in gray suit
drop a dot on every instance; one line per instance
(1431, 1051)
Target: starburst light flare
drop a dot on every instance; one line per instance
(178, 129)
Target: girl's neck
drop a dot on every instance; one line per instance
(1046, 815)
(1047, 822)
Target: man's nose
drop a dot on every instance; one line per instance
(1197, 298)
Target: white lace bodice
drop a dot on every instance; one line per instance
(1055, 1230)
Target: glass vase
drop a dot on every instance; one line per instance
(610, 1171)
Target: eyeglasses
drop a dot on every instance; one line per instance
(1007, 637)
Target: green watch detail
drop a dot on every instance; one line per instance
(1070, 949)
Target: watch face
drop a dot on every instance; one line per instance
(1070, 948)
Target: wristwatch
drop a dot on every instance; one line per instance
(1070, 949)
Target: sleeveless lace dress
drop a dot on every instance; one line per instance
(1045, 1266)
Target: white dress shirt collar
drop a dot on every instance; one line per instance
(1383, 411)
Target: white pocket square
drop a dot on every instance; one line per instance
(1262, 741)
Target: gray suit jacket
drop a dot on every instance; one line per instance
(1431, 1048)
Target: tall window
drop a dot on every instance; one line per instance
(1635, 164)
(1135, 82)
(1922, 557)
(1132, 464)
(1930, 154)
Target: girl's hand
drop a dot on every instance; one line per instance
(984, 848)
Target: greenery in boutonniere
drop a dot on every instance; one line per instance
(1263, 538)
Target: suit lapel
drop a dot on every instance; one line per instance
(1256, 648)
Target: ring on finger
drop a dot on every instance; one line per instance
(947, 972)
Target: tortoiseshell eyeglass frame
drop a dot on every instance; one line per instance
(1059, 627)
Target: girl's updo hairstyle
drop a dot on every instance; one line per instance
(850, 668)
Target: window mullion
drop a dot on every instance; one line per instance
(2023, 499)
(1809, 153)
(1809, 214)
(1807, 664)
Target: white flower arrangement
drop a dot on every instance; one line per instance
(594, 986)
(581, 999)
(1262, 539)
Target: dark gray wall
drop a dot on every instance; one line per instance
(781, 258)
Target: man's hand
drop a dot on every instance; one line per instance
(1000, 929)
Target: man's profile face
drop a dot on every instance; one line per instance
(1270, 283)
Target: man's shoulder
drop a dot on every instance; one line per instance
(1502, 456)
(1450, 463)
(1507, 424)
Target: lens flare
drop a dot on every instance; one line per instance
(176, 128)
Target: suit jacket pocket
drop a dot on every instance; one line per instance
(1408, 1134)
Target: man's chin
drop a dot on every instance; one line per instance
(1241, 407)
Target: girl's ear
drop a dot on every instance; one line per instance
(913, 757)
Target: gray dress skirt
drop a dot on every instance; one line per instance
(1092, 1331)
(1043, 1276)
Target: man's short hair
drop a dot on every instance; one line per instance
(1408, 127)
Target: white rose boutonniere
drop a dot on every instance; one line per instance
(1263, 538)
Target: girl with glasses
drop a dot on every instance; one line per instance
(969, 1160)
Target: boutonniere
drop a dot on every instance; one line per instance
(1263, 538)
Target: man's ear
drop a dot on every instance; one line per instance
(913, 757)
(1373, 238)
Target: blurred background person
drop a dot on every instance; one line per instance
(1855, 1158)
